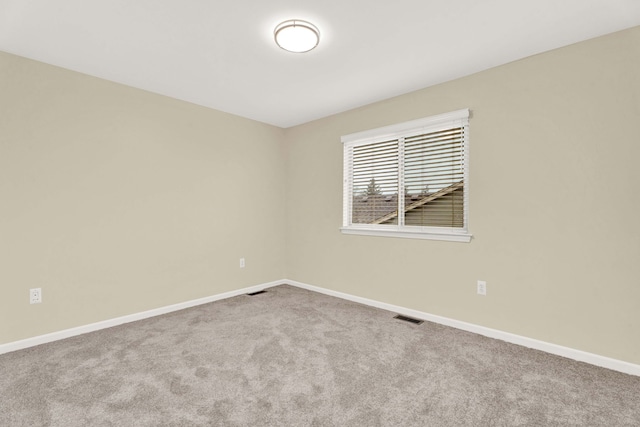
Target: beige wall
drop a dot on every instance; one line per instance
(554, 202)
(115, 201)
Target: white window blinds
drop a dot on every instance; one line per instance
(409, 178)
(375, 181)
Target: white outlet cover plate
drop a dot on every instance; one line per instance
(35, 295)
(482, 287)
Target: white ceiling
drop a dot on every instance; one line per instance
(221, 54)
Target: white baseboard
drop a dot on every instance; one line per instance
(579, 355)
(67, 333)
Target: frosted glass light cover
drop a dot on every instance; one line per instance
(297, 36)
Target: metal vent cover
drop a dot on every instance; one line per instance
(409, 319)
(256, 293)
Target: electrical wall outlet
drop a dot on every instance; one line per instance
(482, 287)
(35, 296)
(241, 262)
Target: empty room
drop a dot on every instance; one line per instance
(296, 213)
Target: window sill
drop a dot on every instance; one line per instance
(410, 234)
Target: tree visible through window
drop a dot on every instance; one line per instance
(409, 178)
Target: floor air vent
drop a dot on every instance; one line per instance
(409, 319)
(256, 293)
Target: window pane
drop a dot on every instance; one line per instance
(374, 182)
(433, 179)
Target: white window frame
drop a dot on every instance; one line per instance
(401, 130)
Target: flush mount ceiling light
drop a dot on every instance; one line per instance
(297, 36)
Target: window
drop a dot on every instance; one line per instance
(409, 180)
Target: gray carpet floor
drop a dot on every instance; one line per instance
(290, 357)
